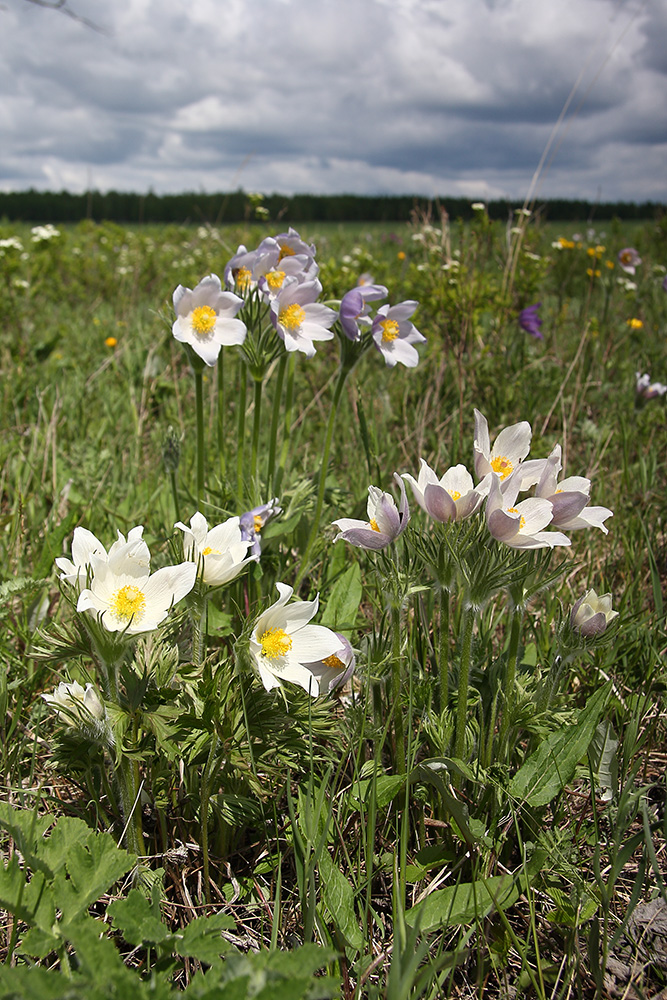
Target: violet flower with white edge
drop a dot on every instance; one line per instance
(283, 643)
(394, 334)
(290, 243)
(507, 454)
(569, 498)
(205, 318)
(334, 670)
(85, 545)
(520, 525)
(629, 259)
(299, 319)
(354, 311)
(220, 553)
(252, 522)
(385, 521)
(453, 497)
(125, 598)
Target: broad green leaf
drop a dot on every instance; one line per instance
(56, 848)
(339, 899)
(463, 904)
(342, 608)
(548, 770)
(33, 901)
(27, 830)
(201, 938)
(24, 983)
(99, 961)
(92, 868)
(137, 921)
(603, 760)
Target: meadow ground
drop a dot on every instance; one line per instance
(477, 808)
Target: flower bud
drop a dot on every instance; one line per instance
(74, 704)
(591, 614)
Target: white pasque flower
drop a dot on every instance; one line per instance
(453, 497)
(85, 545)
(520, 525)
(385, 521)
(126, 598)
(333, 671)
(507, 454)
(220, 552)
(570, 498)
(283, 643)
(74, 703)
(205, 318)
(299, 319)
(591, 614)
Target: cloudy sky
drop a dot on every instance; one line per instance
(436, 97)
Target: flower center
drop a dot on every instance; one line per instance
(292, 317)
(275, 642)
(454, 494)
(203, 320)
(274, 279)
(243, 278)
(502, 465)
(257, 521)
(522, 520)
(128, 602)
(208, 551)
(334, 662)
(374, 525)
(389, 329)
(285, 251)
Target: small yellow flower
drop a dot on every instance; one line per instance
(636, 324)
(401, 254)
(592, 273)
(609, 264)
(110, 342)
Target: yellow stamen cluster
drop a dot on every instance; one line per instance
(275, 642)
(334, 662)
(243, 279)
(522, 520)
(389, 329)
(292, 316)
(128, 602)
(454, 494)
(285, 251)
(374, 525)
(502, 465)
(203, 320)
(257, 521)
(208, 551)
(275, 279)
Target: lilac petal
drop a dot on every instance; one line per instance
(439, 504)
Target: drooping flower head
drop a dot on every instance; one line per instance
(85, 545)
(299, 319)
(205, 318)
(629, 259)
(520, 524)
(394, 334)
(333, 671)
(385, 521)
(530, 321)
(283, 643)
(220, 552)
(252, 522)
(354, 312)
(591, 614)
(569, 498)
(453, 497)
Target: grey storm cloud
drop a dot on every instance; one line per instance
(386, 96)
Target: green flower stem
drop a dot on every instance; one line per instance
(443, 650)
(510, 677)
(396, 683)
(256, 427)
(204, 800)
(199, 411)
(240, 435)
(221, 416)
(287, 424)
(174, 493)
(275, 418)
(464, 675)
(128, 780)
(338, 392)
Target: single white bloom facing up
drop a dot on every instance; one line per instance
(205, 318)
(520, 525)
(220, 552)
(570, 498)
(394, 334)
(283, 643)
(591, 614)
(507, 455)
(85, 545)
(453, 497)
(126, 598)
(74, 703)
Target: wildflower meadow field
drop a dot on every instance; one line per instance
(333, 584)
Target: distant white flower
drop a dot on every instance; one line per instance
(205, 318)
(282, 643)
(647, 389)
(394, 334)
(85, 545)
(41, 233)
(478, 206)
(220, 552)
(74, 703)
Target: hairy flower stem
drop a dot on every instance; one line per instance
(127, 772)
(199, 411)
(275, 418)
(464, 676)
(287, 424)
(396, 683)
(256, 425)
(510, 679)
(204, 799)
(240, 435)
(335, 403)
(221, 416)
(443, 650)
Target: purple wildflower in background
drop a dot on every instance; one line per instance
(629, 259)
(531, 322)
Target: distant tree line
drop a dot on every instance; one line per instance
(237, 206)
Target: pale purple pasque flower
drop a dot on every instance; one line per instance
(453, 497)
(385, 521)
(520, 525)
(629, 259)
(299, 319)
(334, 670)
(591, 614)
(205, 318)
(394, 334)
(531, 322)
(290, 269)
(354, 311)
(290, 243)
(647, 389)
(253, 521)
(569, 498)
(507, 454)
